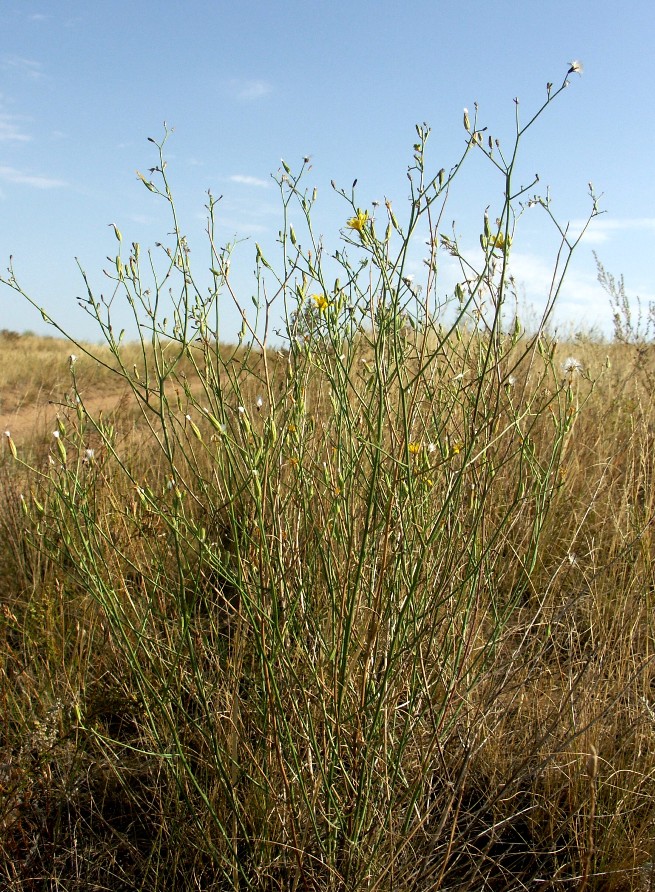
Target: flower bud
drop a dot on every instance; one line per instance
(11, 444)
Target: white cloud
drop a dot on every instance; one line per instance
(602, 228)
(581, 302)
(10, 130)
(248, 90)
(143, 219)
(244, 180)
(29, 68)
(234, 223)
(11, 175)
(239, 227)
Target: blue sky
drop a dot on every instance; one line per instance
(82, 86)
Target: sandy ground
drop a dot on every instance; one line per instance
(38, 419)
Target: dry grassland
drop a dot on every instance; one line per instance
(526, 756)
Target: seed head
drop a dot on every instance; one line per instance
(572, 366)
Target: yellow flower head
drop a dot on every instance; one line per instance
(414, 448)
(500, 242)
(321, 302)
(358, 222)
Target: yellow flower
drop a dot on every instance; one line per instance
(414, 448)
(358, 222)
(321, 302)
(498, 241)
(456, 448)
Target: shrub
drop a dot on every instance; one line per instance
(326, 632)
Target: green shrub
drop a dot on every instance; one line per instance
(322, 631)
